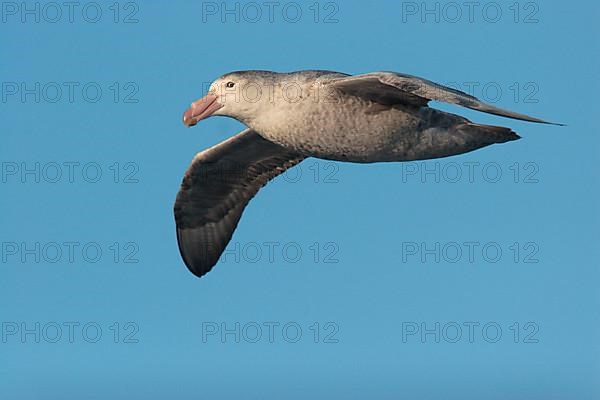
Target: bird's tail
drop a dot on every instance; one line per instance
(495, 134)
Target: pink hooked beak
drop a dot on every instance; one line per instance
(201, 109)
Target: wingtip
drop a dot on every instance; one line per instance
(539, 121)
(543, 121)
(197, 269)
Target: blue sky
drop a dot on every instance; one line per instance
(468, 277)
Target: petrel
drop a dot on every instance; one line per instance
(374, 117)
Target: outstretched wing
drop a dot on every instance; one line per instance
(215, 190)
(394, 88)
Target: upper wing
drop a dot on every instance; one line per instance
(392, 88)
(215, 190)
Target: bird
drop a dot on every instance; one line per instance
(290, 116)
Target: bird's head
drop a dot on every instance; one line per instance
(238, 95)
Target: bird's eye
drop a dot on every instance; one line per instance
(230, 84)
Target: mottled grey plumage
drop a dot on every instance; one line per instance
(381, 116)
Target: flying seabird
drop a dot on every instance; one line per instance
(374, 117)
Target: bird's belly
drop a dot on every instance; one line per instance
(350, 135)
